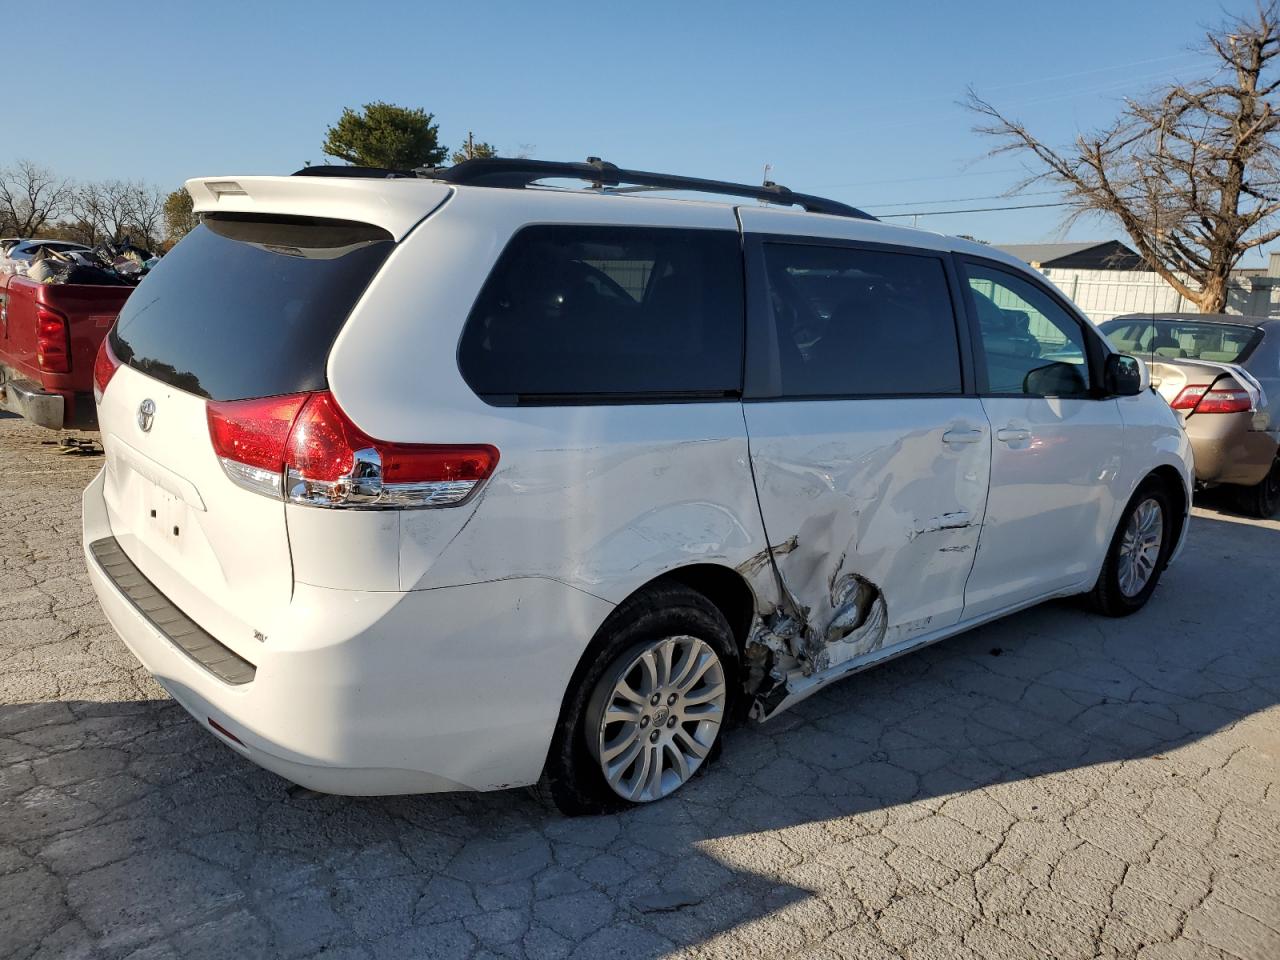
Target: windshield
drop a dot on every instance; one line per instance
(1174, 339)
(249, 306)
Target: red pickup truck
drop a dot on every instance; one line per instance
(49, 336)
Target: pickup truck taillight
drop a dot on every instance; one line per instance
(304, 449)
(1201, 398)
(105, 366)
(53, 342)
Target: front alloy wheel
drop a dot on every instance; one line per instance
(654, 719)
(1137, 553)
(1140, 547)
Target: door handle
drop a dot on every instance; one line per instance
(1012, 434)
(962, 436)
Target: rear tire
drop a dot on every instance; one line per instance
(1262, 500)
(666, 618)
(1134, 564)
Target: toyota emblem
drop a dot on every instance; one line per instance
(146, 414)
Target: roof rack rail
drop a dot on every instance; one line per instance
(518, 173)
(341, 170)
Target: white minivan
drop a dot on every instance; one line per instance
(464, 480)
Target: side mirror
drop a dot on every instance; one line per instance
(1126, 376)
(1056, 379)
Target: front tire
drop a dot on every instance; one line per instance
(1137, 554)
(647, 706)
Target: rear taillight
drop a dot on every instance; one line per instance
(105, 366)
(1190, 396)
(249, 438)
(1200, 398)
(53, 344)
(303, 448)
(1225, 401)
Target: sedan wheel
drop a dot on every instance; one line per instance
(1140, 547)
(653, 720)
(1262, 499)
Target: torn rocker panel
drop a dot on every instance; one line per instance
(784, 641)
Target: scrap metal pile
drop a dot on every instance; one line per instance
(107, 264)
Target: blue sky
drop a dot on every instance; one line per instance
(853, 100)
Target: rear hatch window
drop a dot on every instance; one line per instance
(249, 306)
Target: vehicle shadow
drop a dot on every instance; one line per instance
(1221, 500)
(125, 825)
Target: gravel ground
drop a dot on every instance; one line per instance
(1055, 785)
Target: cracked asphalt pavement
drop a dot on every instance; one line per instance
(1056, 785)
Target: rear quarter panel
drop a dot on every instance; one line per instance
(603, 498)
(1234, 448)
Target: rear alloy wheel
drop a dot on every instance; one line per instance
(647, 705)
(656, 716)
(1137, 554)
(1262, 500)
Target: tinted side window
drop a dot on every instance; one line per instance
(856, 322)
(576, 313)
(1031, 345)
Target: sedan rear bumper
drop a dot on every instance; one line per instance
(1228, 451)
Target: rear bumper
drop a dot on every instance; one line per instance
(29, 400)
(367, 693)
(1227, 451)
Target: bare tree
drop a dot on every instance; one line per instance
(1192, 173)
(145, 209)
(30, 198)
(106, 207)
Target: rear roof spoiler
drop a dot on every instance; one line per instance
(397, 204)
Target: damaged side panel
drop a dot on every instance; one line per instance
(873, 519)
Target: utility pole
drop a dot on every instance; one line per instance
(471, 145)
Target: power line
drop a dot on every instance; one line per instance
(1128, 65)
(944, 176)
(943, 213)
(992, 196)
(1018, 206)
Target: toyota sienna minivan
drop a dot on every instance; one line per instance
(467, 479)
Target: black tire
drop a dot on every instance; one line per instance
(572, 779)
(1107, 597)
(1262, 500)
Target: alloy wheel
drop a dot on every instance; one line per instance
(1140, 547)
(654, 721)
